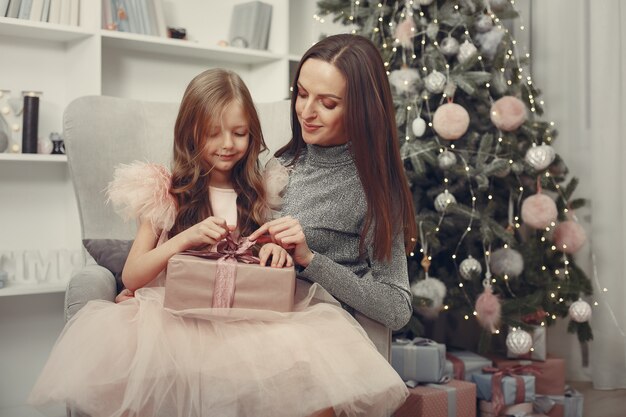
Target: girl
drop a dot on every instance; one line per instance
(138, 358)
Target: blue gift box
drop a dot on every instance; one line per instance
(419, 360)
(472, 363)
(483, 387)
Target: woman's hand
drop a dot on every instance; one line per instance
(280, 257)
(208, 232)
(287, 232)
(126, 294)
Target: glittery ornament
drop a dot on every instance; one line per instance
(470, 268)
(432, 289)
(449, 46)
(519, 342)
(446, 159)
(418, 127)
(569, 236)
(404, 80)
(443, 199)
(540, 157)
(435, 82)
(508, 113)
(484, 23)
(506, 261)
(539, 211)
(451, 121)
(466, 50)
(580, 311)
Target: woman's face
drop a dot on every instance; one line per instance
(320, 104)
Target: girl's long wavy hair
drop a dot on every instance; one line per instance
(202, 107)
(370, 122)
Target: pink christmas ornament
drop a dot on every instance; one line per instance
(508, 113)
(488, 309)
(539, 211)
(451, 121)
(569, 237)
(405, 31)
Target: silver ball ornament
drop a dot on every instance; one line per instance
(580, 311)
(466, 50)
(506, 261)
(442, 201)
(449, 46)
(435, 82)
(470, 268)
(446, 159)
(540, 157)
(498, 4)
(519, 342)
(418, 127)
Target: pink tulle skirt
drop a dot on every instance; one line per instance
(137, 358)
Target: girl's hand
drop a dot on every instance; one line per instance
(126, 294)
(280, 257)
(287, 232)
(208, 232)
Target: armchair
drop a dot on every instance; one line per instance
(100, 133)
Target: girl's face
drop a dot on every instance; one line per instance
(227, 144)
(320, 104)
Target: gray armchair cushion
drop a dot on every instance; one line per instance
(111, 254)
(93, 282)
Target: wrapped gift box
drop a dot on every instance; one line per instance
(461, 364)
(568, 405)
(508, 385)
(551, 377)
(454, 399)
(190, 281)
(419, 360)
(538, 351)
(485, 409)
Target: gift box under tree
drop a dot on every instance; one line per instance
(453, 399)
(419, 360)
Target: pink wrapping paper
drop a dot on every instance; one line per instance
(190, 280)
(486, 409)
(427, 400)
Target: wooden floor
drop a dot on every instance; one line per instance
(601, 403)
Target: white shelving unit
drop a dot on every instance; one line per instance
(38, 211)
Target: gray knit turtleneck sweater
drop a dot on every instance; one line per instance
(325, 194)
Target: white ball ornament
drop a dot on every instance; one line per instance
(466, 50)
(498, 4)
(451, 121)
(508, 113)
(446, 159)
(435, 82)
(470, 268)
(418, 127)
(442, 201)
(540, 157)
(506, 261)
(519, 342)
(539, 211)
(569, 236)
(404, 80)
(580, 311)
(434, 290)
(449, 46)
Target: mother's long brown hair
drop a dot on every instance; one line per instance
(370, 123)
(202, 107)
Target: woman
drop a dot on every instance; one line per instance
(348, 213)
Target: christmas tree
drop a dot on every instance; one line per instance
(494, 202)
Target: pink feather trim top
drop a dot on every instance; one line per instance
(141, 190)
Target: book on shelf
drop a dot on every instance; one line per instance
(14, 8)
(54, 16)
(64, 16)
(250, 25)
(145, 17)
(74, 12)
(25, 7)
(36, 9)
(4, 7)
(45, 13)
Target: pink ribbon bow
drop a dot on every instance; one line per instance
(497, 395)
(227, 252)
